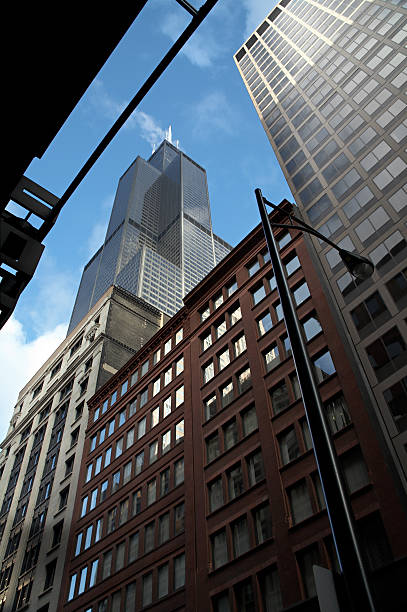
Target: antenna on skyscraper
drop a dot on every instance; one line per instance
(168, 134)
(153, 151)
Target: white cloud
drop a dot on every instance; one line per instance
(256, 11)
(103, 102)
(201, 49)
(213, 113)
(50, 298)
(21, 359)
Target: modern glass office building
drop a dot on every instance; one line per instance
(159, 243)
(328, 81)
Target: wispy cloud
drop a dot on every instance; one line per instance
(213, 113)
(110, 108)
(202, 48)
(23, 358)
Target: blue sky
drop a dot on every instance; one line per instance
(202, 96)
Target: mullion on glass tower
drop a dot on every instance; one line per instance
(328, 81)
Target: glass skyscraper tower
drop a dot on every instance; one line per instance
(328, 80)
(159, 242)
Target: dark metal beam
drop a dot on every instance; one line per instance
(133, 104)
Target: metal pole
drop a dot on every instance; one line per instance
(339, 510)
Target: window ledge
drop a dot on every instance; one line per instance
(48, 590)
(60, 511)
(52, 550)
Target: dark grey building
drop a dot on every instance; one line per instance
(159, 243)
(328, 81)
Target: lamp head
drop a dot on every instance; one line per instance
(360, 267)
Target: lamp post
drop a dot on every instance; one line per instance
(337, 504)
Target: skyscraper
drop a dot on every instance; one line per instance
(198, 488)
(328, 81)
(159, 242)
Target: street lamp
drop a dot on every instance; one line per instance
(337, 504)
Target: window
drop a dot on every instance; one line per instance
(255, 467)
(144, 368)
(179, 366)
(50, 574)
(262, 524)
(119, 447)
(165, 482)
(217, 301)
(249, 420)
(311, 327)
(133, 547)
(156, 386)
(167, 346)
(306, 560)
(396, 398)
(397, 287)
(231, 288)
(153, 454)
(235, 315)
(230, 435)
(280, 398)
(264, 323)
(168, 376)
(337, 414)
(240, 535)
(179, 571)
(270, 590)
(136, 502)
(354, 469)
(301, 293)
(164, 528)
(235, 481)
(258, 294)
(155, 416)
(205, 313)
(141, 428)
(219, 549)
(253, 267)
(212, 447)
(226, 394)
(130, 437)
(387, 354)
(166, 442)
(323, 366)
(166, 406)
(179, 336)
(215, 494)
(300, 502)
(143, 397)
(208, 372)
(179, 512)
(210, 407)
(206, 341)
(115, 481)
(245, 598)
(179, 431)
(179, 472)
(244, 380)
(139, 462)
(292, 265)
(149, 537)
(288, 443)
(107, 564)
(220, 328)
(223, 359)
(271, 357)
(239, 345)
(151, 492)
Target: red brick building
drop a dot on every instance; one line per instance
(198, 487)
